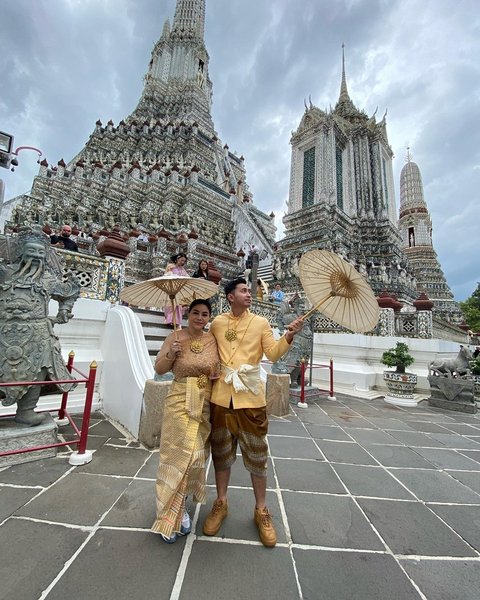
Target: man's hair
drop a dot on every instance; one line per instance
(203, 303)
(231, 285)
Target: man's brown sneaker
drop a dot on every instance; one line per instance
(264, 523)
(214, 520)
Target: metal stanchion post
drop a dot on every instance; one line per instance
(84, 456)
(332, 394)
(301, 403)
(61, 418)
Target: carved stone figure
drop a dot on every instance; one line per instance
(29, 348)
(300, 348)
(453, 367)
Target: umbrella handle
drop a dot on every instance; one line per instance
(174, 315)
(316, 307)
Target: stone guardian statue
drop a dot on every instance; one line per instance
(29, 348)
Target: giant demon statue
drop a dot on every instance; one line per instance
(29, 348)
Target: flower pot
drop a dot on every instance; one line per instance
(401, 387)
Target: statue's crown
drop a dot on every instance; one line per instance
(32, 233)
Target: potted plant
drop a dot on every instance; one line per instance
(400, 384)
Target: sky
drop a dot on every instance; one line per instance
(67, 63)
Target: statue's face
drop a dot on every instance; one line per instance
(34, 252)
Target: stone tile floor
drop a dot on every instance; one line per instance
(370, 502)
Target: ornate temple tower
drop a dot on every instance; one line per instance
(342, 196)
(415, 227)
(162, 171)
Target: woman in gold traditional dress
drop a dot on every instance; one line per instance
(191, 354)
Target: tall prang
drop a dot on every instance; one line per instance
(342, 197)
(415, 227)
(162, 172)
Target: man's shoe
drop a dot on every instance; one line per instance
(214, 520)
(266, 530)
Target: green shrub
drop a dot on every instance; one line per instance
(398, 357)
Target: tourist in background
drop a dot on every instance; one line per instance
(192, 356)
(202, 270)
(278, 295)
(177, 267)
(259, 290)
(64, 240)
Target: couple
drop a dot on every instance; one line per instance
(236, 413)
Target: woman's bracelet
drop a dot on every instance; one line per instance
(168, 358)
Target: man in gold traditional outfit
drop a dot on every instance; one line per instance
(238, 405)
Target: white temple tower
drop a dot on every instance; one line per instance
(415, 227)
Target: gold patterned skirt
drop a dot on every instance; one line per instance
(184, 451)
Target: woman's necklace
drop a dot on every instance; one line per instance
(231, 334)
(196, 345)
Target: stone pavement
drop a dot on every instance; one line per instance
(370, 502)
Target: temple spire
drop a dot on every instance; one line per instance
(343, 87)
(190, 16)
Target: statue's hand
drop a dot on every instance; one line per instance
(63, 316)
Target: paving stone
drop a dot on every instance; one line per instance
(445, 580)
(371, 481)
(410, 528)
(295, 428)
(324, 520)
(461, 428)
(13, 498)
(453, 440)
(399, 456)
(239, 524)
(415, 439)
(37, 473)
(121, 565)
(326, 432)
(472, 479)
(293, 448)
(356, 575)
(135, 507)
(473, 454)
(436, 486)
(352, 422)
(310, 476)
(344, 452)
(79, 498)
(245, 573)
(116, 461)
(390, 424)
(367, 437)
(465, 520)
(426, 427)
(314, 417)
(106, 429)
(32, 555)
(448, 459)
(150, 468)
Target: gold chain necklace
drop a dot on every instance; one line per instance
(196, 345)
(232, 354)
(231, 334)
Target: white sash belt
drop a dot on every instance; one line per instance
(244, 379)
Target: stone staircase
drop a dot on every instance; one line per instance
(154, 329)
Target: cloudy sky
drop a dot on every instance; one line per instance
(67, 63)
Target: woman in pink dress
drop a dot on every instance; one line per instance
(177, 267)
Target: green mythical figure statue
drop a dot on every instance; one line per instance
(29, 348)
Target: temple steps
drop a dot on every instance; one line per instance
(154, 329)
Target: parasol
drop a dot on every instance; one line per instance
(333, 286)
(177, 289)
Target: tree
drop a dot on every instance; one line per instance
(471, 310)
(397, 357)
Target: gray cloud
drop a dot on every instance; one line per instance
(71, 62)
